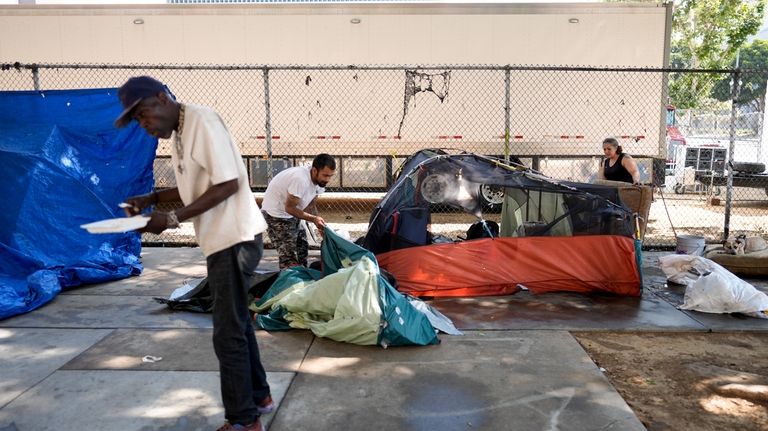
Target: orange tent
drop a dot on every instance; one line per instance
(498, 266)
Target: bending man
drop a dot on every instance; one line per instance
(291, 197)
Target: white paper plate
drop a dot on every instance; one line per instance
(117, 225)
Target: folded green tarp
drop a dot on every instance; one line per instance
(352, 302)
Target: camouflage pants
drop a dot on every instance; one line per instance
(289, 238)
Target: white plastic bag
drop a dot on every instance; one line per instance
(710, 288)
(684, 268)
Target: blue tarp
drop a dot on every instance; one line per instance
(64, 164)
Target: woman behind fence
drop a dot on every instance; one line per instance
(617, 165)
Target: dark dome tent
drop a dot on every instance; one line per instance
(553, 235)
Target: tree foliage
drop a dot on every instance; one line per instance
(752, 88)
(706, 35)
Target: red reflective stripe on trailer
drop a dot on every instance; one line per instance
(641, 137)
(563, 136)
(335, 137)
(276, 137)
(456, 136)
(381, 137)
(518, 136)
(442, 137)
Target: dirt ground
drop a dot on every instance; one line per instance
(687, 381)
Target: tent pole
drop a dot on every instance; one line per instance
(527, 205)
(540, 193)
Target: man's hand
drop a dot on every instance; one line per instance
(320, 223)
(137, 204)
(158, 222)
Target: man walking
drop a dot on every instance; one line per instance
(291, 197)
(213, 187)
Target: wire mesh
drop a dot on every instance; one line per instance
(371, 118)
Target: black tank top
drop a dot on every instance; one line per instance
(617, 172)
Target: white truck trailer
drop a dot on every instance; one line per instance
(359, 112)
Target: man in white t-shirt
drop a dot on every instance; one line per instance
(213, 187)
(291, 197)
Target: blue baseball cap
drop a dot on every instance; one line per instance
(133, 92)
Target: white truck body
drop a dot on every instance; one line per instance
(552, 113)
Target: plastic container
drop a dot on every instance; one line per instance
(690, 244)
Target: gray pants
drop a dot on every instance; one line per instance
(289, 238)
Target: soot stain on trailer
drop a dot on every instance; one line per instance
(419, 82)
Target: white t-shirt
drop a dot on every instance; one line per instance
(295, 181)
(209, 157)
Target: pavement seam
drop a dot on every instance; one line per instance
(288, 389)
(57, 369)
(692, 314)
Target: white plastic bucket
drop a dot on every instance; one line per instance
(690, 244)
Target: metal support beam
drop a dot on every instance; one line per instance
(735, 89)
(267, 124)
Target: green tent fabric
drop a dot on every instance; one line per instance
(352, 303)
(402, 323)
(342, 306)
(524, 206)
(336, 252)
(297, 276)
(287, 281)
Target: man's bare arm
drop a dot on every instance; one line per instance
(308, 214)
(312, 207)
(215, 195)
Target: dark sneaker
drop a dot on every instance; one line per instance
(266, 405)
(256, 426)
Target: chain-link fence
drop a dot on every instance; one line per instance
(552, 118)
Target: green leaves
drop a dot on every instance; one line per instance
(706, 34)
(752, 56)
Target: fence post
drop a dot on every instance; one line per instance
(507, 124)
(267, 124)
(36, 77)
(735, 89)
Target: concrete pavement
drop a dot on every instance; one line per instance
(77, 363)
